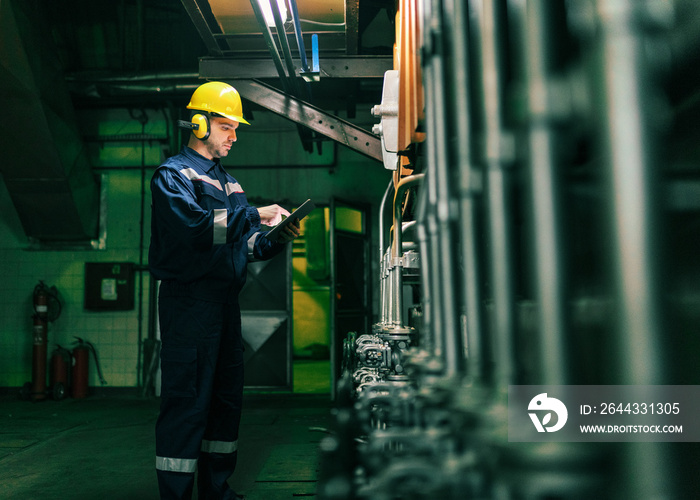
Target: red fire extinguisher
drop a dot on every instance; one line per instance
(81, 358)
(59, 376)
(81, 368)
(38, 385)
(47, 308)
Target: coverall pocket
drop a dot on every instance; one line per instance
(179, 372)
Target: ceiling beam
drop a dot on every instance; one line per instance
(226, 68)
(253, 43)
(199, 18)
(312, 117)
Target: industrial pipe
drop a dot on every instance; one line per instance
(383, 289)
(429, 333)
(429, 195)
(267, 35)
(396, 303)
(545, 195)
(297, 32)
(468, 181)
(382, 207)
(403, 185)
(629, 135)
(498, 155)
(442, 192)
(286, 52)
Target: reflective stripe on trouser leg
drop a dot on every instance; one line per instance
(187, 465)
(190, 331)
(220, 444)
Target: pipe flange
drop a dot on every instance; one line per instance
(397, 330)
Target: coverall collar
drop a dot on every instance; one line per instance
(200, 161)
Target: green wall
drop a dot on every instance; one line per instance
(339, 173)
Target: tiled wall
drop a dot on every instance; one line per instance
(115, 335)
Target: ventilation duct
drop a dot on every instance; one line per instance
(44, 165)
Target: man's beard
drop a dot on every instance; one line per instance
(219, 151)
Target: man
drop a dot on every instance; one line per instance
(203, 234)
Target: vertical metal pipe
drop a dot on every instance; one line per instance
(386, 288)
(397, 252)
(453, 353)
(628, 107)
(382, 208)
(629, 143)
(498, 155)
(437, 291)
(457, 28)
(432, 256)
(396, 295)
(389, 286)
(545, 193)
(428, 338)
(383, 291)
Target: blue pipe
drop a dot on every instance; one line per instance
(297, 32)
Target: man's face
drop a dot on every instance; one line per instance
(221, 137)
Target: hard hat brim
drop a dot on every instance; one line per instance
(238, 119)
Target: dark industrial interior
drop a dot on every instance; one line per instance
(507, 199)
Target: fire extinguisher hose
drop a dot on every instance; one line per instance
(97, 362)
(94, 355)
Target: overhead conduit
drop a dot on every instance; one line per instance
(44, 166)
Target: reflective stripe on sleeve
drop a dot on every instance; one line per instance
(233, 188)
(251, 247)
(192, 175)
(176, 464)
(220, 225)
(219, 446)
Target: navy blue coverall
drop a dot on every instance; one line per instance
(203, 234)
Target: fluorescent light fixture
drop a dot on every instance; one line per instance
(267, 11)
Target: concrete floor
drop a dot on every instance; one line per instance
(102, 447)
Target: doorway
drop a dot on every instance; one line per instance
(330, 292)
(311, 292)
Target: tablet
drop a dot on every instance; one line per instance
(298, 214)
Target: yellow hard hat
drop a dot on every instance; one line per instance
(219, 98)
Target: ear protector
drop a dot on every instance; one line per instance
(199, 124)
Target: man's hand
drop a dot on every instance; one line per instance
(271, 215)
(289, 233)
